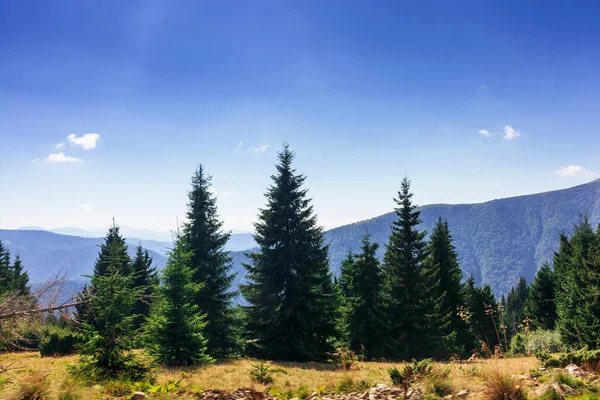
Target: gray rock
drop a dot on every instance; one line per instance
(462, 394)
(574, 370)
(139, 396)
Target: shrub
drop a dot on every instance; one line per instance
(58, 342)
(118, 387)
(518, 345)
(261, 373)
(502, 386)
(31, 387)
(344, 357)
(345, 385)
(545, 340)
(589, 360)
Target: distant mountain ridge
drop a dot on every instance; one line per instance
(497, 241)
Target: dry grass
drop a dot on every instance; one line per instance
(235, 374)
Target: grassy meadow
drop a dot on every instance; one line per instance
(28, 369)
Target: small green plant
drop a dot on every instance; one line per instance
(58, 342)
(472, 372)
(279, 370)
(438, 385)
(345, 385)
(261, 373)
(344, 357)
(364, 384)
(118, 387)
(302, 392)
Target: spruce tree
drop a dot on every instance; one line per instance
(174, 331)
(481, 311)
(361, 303)
(144, 278)
(4, 269)
(204, 236)
(18, 279)
(108, 342)
(515, 306)
(447, 290)
(540, 305)
(407, 298)
(289, 288)
(113, 240)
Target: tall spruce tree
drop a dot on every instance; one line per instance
(361, 302)
(113, 241)
(577, 265)
(289, 288)
(482, 314)
(540, 305)
(446, 277)
(174, 331)
(107, 347)
(407, 300)
(204, 236)
(515, 306)
(144, 278)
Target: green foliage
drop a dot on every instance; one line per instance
(171, 386)
(577, 268)
(58, 341)
(291, 301)
(13, 279)
(481, 312)
(144, 278)
(406, 292)
(444, 275)
(437, 385)
(540, 305)
(211, 265)
(175, 330)
(360, 285)
(514, 312)
(261, 373)
(589, 360)
(411, 373)
(107, 341)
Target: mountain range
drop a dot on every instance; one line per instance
(497, 241)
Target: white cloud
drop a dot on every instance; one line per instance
(510, 132)
(573, 170)
(238, 147)
(86, 141)
(261, 149)
(485, 132)
(59, 146)
(35, 160)
(61, 158)
(87, 207)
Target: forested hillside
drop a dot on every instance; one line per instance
(497, 241)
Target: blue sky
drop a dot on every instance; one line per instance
(473, 100)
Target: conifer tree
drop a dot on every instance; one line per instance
(482, 312)
(407, 298)
(540, 305)
(515, 306)
(144, 278)
(204, 236)
(113, 240)
(18, 279)
(361, 304)
(4, 269)
(108, 342)
(174, 331)
(446, 277)
(291, 303)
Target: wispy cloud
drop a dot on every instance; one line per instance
(261, 149)
(35, 160)
(510, 133)
(485, 132)
(87, 141)
(61, 158)
(87, 207)
(238, 147)
(573, 170)
(59, 146)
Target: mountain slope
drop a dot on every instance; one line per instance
(497, 241)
